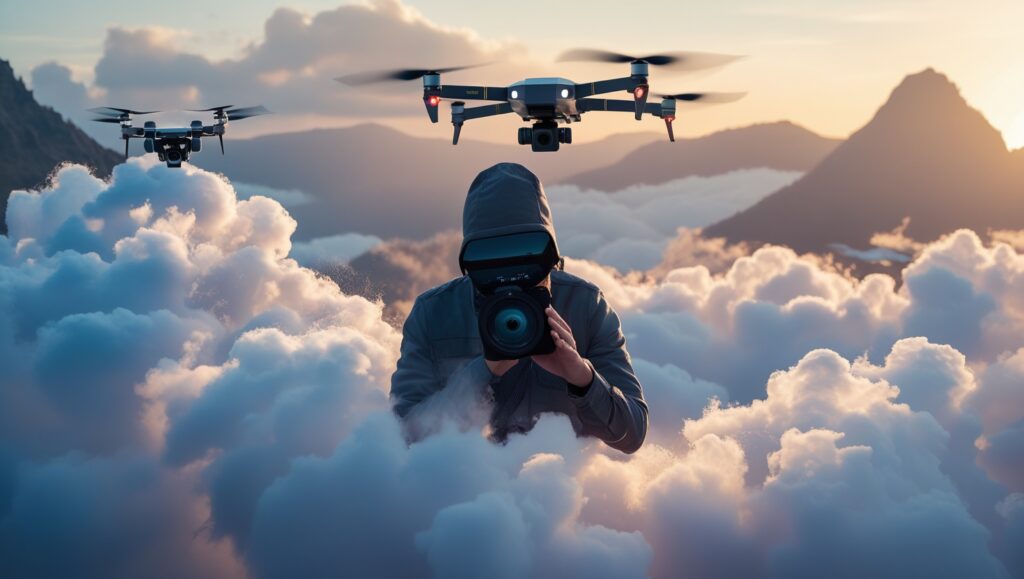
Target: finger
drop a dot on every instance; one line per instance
(553, 313)
(558, 323)
(561, 342)
(560, 332)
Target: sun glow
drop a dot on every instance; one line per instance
(1014, 134)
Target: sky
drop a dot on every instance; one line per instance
(824, 64)
(181, 397)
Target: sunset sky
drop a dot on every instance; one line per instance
(199, 365)
(824, 64)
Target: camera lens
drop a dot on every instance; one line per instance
(512, 327)
(173, 155)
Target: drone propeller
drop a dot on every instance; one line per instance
(370, 77)
(677, 60)
(233, 114)
(211, 109)
(116, 112)
(246, 112)
(704, 97)
(114, 120)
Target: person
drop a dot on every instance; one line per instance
(588, 377)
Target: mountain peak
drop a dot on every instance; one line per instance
(926, 154)
(930, 85)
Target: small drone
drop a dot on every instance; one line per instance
(173, 145)
(550, 101)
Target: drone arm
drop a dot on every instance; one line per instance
(619, 106)
(606, 86)
(477, 93)
(658, 110)
(487, 111)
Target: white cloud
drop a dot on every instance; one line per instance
(290, 69)
(333, 250)
(630, 229)
(183, 399)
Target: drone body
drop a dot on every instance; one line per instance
(173, 145)
(547, 102)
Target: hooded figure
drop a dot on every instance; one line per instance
(442, 361)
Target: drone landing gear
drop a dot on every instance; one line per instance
(545, 136)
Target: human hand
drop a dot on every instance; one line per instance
(565, 361)
(499, 367)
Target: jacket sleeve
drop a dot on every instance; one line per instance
(612, 408)
(416, 383)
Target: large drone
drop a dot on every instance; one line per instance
(550, 101)
(173, 145)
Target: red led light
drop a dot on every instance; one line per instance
(434, 99)
(670, 118)
(638, 92)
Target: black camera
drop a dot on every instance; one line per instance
(545, 136)
(505, 271)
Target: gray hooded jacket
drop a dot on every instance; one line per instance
(441, 343)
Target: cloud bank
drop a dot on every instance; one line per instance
(181, 398)
(631, 229)
(290, 69)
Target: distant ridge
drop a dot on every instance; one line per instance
(781, 145)
(36, 139)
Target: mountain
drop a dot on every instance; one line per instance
(926, 155)
(36, 139)
(375, 180)
(781, 145)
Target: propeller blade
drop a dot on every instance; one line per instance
(220, 137)
(705, 97)
(370, 77)
(591, 55)
(244, 113)
(677, 60)
(114, 111)
(211, 109)
(113, 120)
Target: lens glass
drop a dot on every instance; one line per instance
(512, 328)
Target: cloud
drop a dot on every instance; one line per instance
(182, 398)
(290, 69)
(959, 292)
(288, 198)
(324, 253)
(631, 229)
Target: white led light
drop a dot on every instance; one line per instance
(565, 93)
(515, 94)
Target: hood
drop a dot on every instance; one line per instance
(503, 199)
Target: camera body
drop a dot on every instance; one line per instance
(506, 271)
(513, 323)
(173, 151)
(545, 136)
